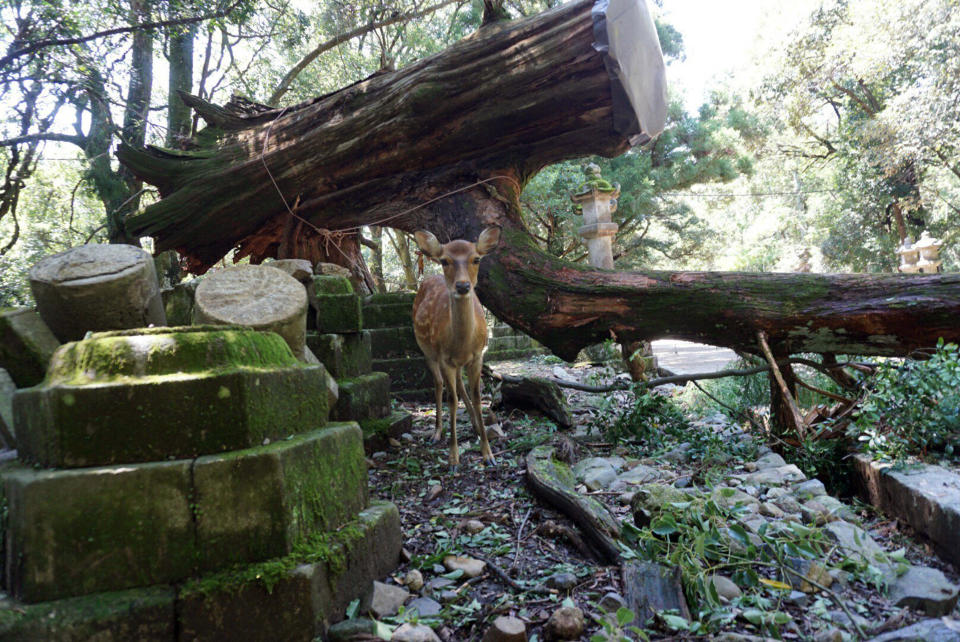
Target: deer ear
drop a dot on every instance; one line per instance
(428, 243)
(489, 238)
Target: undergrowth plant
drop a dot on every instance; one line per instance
(912, 408)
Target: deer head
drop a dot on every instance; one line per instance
(459, 259)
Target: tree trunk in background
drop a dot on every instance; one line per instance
(376, 252)
(179, 121)
(401, 243)
(447, 144)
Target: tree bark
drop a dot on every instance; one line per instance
(179, 121)
(447, 144)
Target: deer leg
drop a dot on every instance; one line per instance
(438, 395)
(474, 382)
(450, 377)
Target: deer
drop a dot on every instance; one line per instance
(451, 330)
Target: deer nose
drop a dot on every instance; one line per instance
(463, 287)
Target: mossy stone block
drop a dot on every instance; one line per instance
(74, 532)
(287, 490)
(331, 284)
(169, 393)
(394, 342)
(26, 345)
(178, 302)
(338, 313)
(390, 298)
(377, 432)
(363, 397)
(388, 315)
(406, 373)
(145, 615)
(297, 596)
(344, 355)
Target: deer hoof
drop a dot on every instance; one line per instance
(454, 468)
(436, 437)
(491, 462)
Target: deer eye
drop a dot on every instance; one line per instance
(476, 259)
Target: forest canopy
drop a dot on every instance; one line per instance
(841, 139)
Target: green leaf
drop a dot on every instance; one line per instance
(624, 616)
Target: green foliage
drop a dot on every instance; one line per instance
(651, 416)
(733, 397)
(912, 408)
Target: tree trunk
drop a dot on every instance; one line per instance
(180, 80)
(447, 144)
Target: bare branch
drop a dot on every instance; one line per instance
(54, 42)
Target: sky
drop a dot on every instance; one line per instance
(721, 38)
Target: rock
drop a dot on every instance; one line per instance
(683, 482)
(841, 618)
(414, 633)
(258, 297)
(636, 476)
(470, 567)
(725, 587)
(830, 635)
(495, 432)
(837, 509)
(940, 629)
(679, 455)
(562, 581)
(566, 623)
(769, 509)
(753, 491)
(346, 630)
(611, 601)
(413, 580)
(332, 269)
(856, 543)
(449, 596)
(924, 589)
(300, 269)
(770, 460)
(750, 466)
(473, 526)
(97, 288)
(776, 492)
(596, 473)
(730, 497)
(626, 498)
(797, 598)
(809, 489)
(26, 345)
(809, 571)
(425, 606)
(814, 512)
(439, 583)
(773, 476)
(788, 504)
(506, 629)
(433, 491)
(384, 600)
(650, 499)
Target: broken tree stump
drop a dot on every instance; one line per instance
(537, 393)
(258, 297)
(650, 587)
(97, 288)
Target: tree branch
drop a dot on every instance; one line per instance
(284, 85)
(44, 136)
(54, 42)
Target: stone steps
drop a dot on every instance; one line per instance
(294, 597)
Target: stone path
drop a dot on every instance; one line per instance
(684, 357)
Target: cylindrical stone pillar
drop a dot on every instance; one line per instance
(255, 296)
(97, 288)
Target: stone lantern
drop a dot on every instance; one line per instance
(597, 200)
(929, 248)
(909, 257)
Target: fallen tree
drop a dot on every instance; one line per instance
(447, 144)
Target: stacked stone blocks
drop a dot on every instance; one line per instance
(234, 500)
(345, 347)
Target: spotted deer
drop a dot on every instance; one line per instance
(452, 332)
